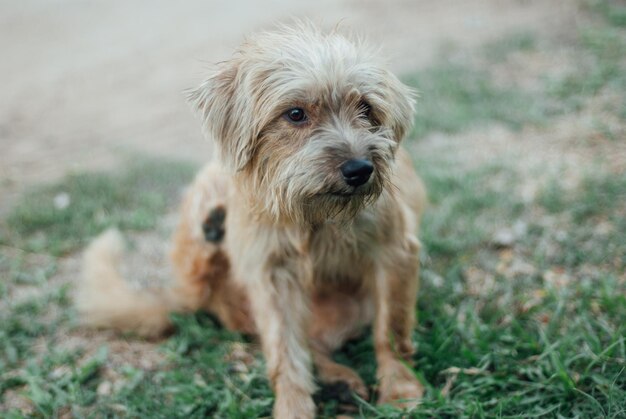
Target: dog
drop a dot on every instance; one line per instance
(303, 230)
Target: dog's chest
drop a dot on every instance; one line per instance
(344, 252)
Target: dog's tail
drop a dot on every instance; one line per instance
(105, 299)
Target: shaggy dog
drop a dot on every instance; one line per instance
(303, 231)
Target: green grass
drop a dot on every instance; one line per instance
(200, 381)
(455, 96)
(524, 344)
(599, 213)
(500, 49)
(133, 199)
(467, 198)
(23, 324)
(541, 347)
(614, 11)
(601, 67)
(459, 91)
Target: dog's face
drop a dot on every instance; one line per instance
(308, 121)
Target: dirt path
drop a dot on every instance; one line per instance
(84, 83)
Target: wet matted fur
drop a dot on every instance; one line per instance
(275, 237)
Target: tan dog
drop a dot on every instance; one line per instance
(305, 231)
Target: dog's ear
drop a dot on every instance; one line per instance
(400, 112)
(227, 114)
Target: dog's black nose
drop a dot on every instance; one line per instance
(357, 171)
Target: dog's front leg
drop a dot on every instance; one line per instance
(396, 294)
(281, 309)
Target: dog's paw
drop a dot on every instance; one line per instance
(342, 381)
(398, 386)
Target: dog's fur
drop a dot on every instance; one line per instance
(306, 261)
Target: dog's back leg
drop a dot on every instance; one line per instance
(202, 265)
(105, 299)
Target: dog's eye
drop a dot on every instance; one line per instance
(365, 110)
(296, 115)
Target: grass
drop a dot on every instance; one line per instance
(509, 343)
(501, 48)
(614, 11)
(598, 212)
(602, 67)
(460, 91)
(133, 199)
(541, 345)
(534, 327)
(457, 96)
(61, 217)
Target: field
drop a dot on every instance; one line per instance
(521, 142)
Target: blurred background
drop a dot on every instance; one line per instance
(83, 79)
(520, 136)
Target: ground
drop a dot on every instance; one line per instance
(520, 137)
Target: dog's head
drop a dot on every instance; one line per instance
(309, 123)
